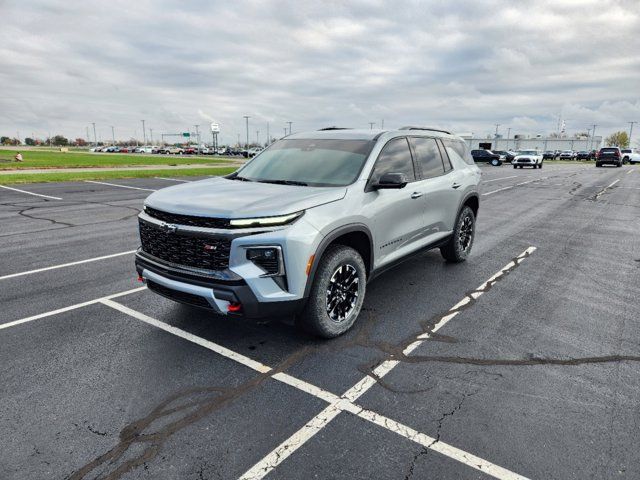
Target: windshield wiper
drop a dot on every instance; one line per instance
(284, 182)
(242, 179)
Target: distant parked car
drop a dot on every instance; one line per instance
(630, 155)
(593, 154)
(582, 155)
(609, 156)
(567, 155)
(189, 151)
(528, 158)
(175, 150)
(487, 156)
(252, 152)
(549, 155)
(509, 156)
(126, 150)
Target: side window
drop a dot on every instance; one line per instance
(429, 157)
(394, 158)
(446, 159)
(458, 149)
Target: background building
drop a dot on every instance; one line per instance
(534, 142)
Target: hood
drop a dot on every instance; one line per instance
(220, 197)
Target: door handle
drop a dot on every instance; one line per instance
(456, 185)
(415, 195)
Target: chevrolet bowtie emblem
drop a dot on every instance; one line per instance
(168, 228)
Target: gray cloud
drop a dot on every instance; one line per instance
(461, 65)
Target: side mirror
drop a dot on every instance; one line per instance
(391, 180)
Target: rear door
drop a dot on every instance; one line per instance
(441, 184)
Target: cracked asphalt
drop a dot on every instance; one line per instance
(538, 375)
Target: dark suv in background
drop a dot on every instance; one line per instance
(487, 156)
(610, 156)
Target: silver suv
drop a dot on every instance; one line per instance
(301, 229)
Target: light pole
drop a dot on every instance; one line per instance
(246, 118)
(95, 138)
(197, 138)
(289, 127)
(113, 136)
(631, 124)
(268, 138)
(497, 125)
(151, 135)
(285, 132)
(508, 135)
(144, 134)
(586, 144)
(593, 135)
(371, 124)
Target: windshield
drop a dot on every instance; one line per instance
(528, 152)
(313, 162)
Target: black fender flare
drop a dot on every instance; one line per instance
(328, 239)
(469, 195)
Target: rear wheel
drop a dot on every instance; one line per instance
(515, 166)
(337, 293)
(495, 162)
(458, 247)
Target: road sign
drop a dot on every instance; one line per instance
(215, 127)
(186, 134)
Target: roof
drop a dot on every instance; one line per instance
(363, 134)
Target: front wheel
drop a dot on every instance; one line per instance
(337, 293)
(495, 162)
(458, 247)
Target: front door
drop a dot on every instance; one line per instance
(398, 213)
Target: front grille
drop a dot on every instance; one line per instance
(188, 220)
(185, 250)
(178, 296)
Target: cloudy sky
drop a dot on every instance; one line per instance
(463, 65)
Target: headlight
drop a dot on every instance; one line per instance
(269, 258)
(265, 221)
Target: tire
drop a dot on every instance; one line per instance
(598, 165)
(515, 166)
(495, 162)
(458, 247)
(343, 264)
(619, 164)
(540, 164)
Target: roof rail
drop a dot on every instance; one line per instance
(425, 128)
(334, 128)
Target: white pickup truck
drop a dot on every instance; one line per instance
(630, 155)
(530, 158)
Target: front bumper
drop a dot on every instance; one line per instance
(216, 295)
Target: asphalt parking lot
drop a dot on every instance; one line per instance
(522, 362)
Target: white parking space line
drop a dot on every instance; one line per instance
(630, 171)
(286, 448)
(30, 193)
(496, 179)
(68, 309)
(121, 186)
(607, 188)
(173, 179)
(55, 267)
(516, 185)
(443, 448)
(337, 404)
